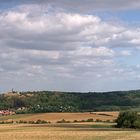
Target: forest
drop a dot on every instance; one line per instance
(55, 101)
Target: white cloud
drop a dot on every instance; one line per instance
(90, 5)
(94, 52)
(126, 53)
(59, 45)
(80, 4)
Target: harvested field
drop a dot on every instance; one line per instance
(54, 117)
(64, 132)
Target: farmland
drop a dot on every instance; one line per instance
(65, 131)
(54, 117)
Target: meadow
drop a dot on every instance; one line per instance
(65, 131)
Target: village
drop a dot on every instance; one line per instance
(6, 112)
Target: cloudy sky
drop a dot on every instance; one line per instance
(69, 45)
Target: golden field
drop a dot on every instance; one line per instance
(54, 117)
(65, 131)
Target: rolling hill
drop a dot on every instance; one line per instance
(52, 101)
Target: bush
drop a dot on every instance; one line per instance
(108, 121)
(98, 120)
(6, 122)
(137, 123)
(128, 119)
(21, 121)
(32, 122)
(89, 120)
(41, 122)
(63, 121)
(75, 121)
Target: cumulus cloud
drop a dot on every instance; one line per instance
(92, 5)
(82, 5)
(62, 47)
(126, 53)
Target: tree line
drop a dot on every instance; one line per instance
(52, 101)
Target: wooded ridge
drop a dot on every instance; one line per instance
(53, 101)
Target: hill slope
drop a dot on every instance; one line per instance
(46, 101)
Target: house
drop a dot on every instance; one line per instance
(6, 112)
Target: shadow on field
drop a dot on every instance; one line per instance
(80, 127)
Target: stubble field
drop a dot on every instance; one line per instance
(65, 131)
(54, 117)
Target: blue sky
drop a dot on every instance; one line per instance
(129, 15)
(83, 45)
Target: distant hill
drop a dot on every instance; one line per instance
(49, 101)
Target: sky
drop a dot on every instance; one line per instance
(69, 45)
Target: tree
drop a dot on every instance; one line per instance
(128, 119)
